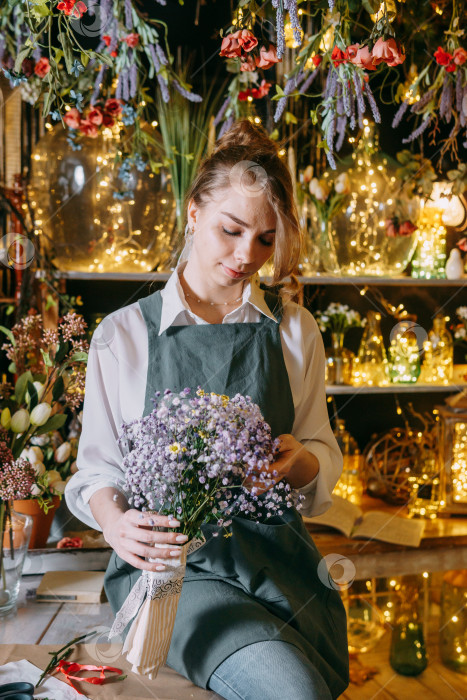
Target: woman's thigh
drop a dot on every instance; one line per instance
(272, 670)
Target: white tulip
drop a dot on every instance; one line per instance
(39, 468)
(62, 452)
(5, 419)
(40, 391)
(35, 490)
(40, 414)
(319, 189)
(35, 454)
(59, 487)
(308, 173)
(53, 477)
(20, 421)
(342, 184)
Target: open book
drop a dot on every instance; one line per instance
(374, 525)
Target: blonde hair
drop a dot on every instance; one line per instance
(245, 156)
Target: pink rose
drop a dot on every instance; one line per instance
(247, 40)
(95, 116)
(108, 120)
(89, 129)
(131, 40)
(72, 118)
(459, 56)
(247, 63)
(387, 51)
(267, 57)
(338, 56)
(230, 47)
(42, 67)
(360, 56)
(113, 107)
(262, 91)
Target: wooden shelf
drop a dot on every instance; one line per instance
(334, 390)
(319, 280)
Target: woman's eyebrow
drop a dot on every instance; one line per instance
(242, 223)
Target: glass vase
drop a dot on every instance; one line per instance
(408, 651)
(404, 354)
(453, 621)
(338, 361)
(15, 531)
(429, 261)
(319, 250)
(370, 367)
(425, 482)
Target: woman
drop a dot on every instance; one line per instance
(255, 620)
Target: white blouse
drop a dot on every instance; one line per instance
(116, 386)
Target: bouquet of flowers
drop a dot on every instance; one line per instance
(203, 459)
(338, 318)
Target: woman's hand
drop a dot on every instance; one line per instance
(132, 538)
(294, 464)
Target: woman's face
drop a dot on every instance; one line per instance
(234, 236)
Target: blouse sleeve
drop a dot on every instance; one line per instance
(99, 457)
(305, 361)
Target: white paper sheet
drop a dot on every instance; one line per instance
(24, 671)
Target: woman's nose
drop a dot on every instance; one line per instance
(244, 251)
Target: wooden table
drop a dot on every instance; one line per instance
(443, 547)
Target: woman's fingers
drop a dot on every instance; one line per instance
(141, 534)
(150, 519)
(142, 564)
(147, 551)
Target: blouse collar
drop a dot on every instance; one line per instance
(174, 303)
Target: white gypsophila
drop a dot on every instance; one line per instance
(460, 333)
(30, 92)
(462, 312)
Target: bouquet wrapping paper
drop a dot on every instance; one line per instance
(154, 601)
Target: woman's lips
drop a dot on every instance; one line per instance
(233, 273)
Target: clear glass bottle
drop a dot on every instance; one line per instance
(15, 531)
(430, 257)
(370, 367)
(339, 361)
(404, 354)
(438, 362)
(350, 485)
(408, 652)
(453, 621)
(425, 482)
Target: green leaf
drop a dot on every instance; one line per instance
(58, 55)
(21, 385)
(46, 358)
(24, 53)
(84, 59)
(63, 349)
(313, 116)
(50, 302)
(290, 118)
(279, 91)
(54, 423)
(12, 367)
(33, 396)
(371, 6)
(59, 387)
(9, 334)
(79, 357)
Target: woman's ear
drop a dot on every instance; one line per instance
(192, 214)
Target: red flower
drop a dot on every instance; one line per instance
(247, 40)
(317, 60)
(361, 56)
(95, 116)
(66, 6)
(70, 543)
(114, 54)
(338, 56)
(27, 67)
(462, 245)
(243, 95)
(42, 67)
(71, 7)
(407, 228)
(88, 129)
(230, 47)
(459, 56)
(247, 63)
(79, 9)
(262, 91)
(387, 51)
(267, 57)
(107, 120)
(443, 58)
(131, 40)
(113, 107)
(72, 118)
(107, 39)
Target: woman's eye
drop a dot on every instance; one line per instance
(231, 233)
(266, 242)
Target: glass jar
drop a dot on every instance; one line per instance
(438, 361)
(338, 361)
(425, 483)
(429, 261)
(15, 531)
(407, 655)
(350, 484)
(453, 621)
(404, 354)
(370, 368)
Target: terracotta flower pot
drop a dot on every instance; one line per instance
(41, 522)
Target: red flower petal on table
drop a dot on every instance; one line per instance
(70, 543)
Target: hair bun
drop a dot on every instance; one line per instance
(245, 134)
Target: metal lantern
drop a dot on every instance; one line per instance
(453, 455)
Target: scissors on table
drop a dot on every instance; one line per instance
(16, 691)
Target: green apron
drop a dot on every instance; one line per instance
(262, 583)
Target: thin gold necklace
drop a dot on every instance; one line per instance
(214, 303)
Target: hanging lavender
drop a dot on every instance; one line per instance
(291, 85)
(220, 114)
(128, 15)
(133, 80)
